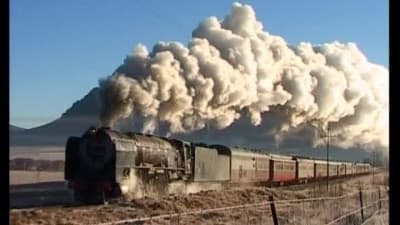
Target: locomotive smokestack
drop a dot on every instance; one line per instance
(232, 68)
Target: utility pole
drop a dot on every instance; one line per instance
(328, 137)
(373, 167)
(387, 169)
(158, 126)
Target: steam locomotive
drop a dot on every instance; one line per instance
(105, 163)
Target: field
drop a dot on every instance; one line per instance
(28, 177)
(38, 152)
(193, 208)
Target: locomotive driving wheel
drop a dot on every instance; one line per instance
(154, 182)
(161, 183)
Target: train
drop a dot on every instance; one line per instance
(102, 164)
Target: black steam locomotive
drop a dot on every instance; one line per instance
(103, 164)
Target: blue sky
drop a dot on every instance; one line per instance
(60, 49)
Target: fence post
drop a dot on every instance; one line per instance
(273, 210)
(361, 203)
(380, 201)
(247, 214)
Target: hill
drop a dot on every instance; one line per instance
(14, 129)
(74, 121)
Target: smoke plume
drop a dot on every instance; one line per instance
(232, 69)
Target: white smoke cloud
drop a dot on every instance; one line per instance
(232, 68)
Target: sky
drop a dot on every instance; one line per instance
(60, 49)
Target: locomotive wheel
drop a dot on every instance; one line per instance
(161, 183)
(94, 198)
(157, 184)
(89, 197)
(78, 196)
(116, 191)
(82, 196)
(154, 183)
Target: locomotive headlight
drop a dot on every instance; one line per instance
(124, 189)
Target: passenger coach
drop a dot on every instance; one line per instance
(282, 169)
(249, 167)
(304, 169)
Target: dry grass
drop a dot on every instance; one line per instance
(378, 218)
(303, 213)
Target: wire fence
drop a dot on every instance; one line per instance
(351, 208)
(340, 218)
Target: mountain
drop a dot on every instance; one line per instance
(88, 106)
(74, 121)
(14, 129)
